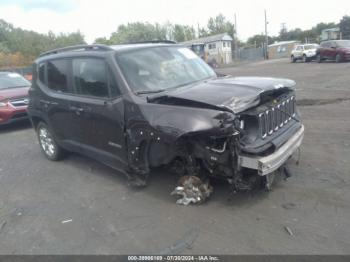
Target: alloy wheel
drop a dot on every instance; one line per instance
(47, 142)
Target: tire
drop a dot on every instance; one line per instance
(338, 58)
(292, 59)
(319, 58)
(48, 145)
(305, 59)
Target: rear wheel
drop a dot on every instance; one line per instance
(292, 59)
(48, 145)
(319, 58)
(338, 58)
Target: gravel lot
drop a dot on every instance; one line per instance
(102, 215)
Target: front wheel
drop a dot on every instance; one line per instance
(48, 145)
(292, 59)
(338, 58)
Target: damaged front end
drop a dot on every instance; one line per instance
(244, 141)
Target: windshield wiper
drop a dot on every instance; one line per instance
(149, 91)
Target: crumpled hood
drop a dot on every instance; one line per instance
(232, 93)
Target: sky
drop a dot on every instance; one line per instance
(99, 18)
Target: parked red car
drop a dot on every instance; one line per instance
(13, 97)
(338, 50)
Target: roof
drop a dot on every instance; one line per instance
(123, 47)
(97, 48)
(208, 39)
(284, 43)
(335, 29)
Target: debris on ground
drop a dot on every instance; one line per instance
(289, 231)
(192, 189)
(186, 242)
(67, 221)
(2, 225)
(289, 205)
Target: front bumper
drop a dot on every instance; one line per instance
(10, 115)
(311, 55)
(267, 164)
(346, 56)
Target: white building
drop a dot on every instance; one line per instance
(216, 47)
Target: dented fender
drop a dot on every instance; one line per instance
(154, 131)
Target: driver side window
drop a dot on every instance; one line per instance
(90, 77)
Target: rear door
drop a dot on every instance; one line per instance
(333, 50)
(55, 100)
(99, 106)
(327, 50)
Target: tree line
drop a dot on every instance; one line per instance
(310, 35)
(138, 31)
(19, 47)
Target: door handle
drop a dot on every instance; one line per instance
(46, 103)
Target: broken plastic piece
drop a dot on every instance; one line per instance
(192, 189)
(289, 231)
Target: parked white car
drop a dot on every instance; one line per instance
(306, 53)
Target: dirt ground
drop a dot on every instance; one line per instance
(78, 206)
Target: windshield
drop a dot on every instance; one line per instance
(308, 47)
(343, 43)
(161, 68)
(12, 80)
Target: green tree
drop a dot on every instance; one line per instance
(181, 33)
(25, 45)
(344, 27)
(258, 40)
(219, 25)
(102, 40)
(136, 32)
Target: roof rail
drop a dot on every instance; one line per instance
(153, 42)
(77, 48)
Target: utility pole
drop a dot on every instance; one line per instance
(235, 38)
(266, 38)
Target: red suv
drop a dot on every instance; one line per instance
(13, 97)
(338, 50)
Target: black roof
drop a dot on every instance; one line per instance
(99, 47)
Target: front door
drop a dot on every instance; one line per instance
(99, 107)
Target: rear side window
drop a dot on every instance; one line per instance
(325, 44)
(90, 77)
(57, 75)
(41, 74)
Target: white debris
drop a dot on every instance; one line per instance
(67, 221)
(290, 232)
(192, 189)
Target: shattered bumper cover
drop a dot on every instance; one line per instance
(267, 164)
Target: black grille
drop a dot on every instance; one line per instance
(274, 118)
